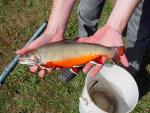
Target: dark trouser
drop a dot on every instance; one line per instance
(138, 29)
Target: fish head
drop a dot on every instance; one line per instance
(30, 59)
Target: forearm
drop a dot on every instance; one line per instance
(59, 15)
(121, 13)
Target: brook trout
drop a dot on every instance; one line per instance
(68, 54)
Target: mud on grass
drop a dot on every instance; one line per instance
(24, 92)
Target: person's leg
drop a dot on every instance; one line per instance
(89, 12)
(138, 35)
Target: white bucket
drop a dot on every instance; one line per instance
(112, 90)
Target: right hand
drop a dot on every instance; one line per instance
(45, 38)
(107, 36)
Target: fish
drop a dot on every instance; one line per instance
(68, 54)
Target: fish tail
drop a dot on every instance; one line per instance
(119, 52)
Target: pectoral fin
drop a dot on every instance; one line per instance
(75, 69)
(101, 59)
(119, 52)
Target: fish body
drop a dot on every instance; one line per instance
(67, 54)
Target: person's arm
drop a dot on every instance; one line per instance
(121, 13)
(59, 16)
(56, 25)
(110, 34)
(55, 30)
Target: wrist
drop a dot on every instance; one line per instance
(115, 26)
(53, 35)
(55, 30)
(121, 14)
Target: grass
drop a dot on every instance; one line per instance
(24, 92)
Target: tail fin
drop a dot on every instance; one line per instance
(119, 52)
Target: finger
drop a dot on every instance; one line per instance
(49, 70)
(42, 73)
(22, 51)
(57, 68)
(87, 67)
(33, 68)
(35, 44)
(26, 49)
(95, 70)
(124, 60)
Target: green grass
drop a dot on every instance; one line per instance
(24, 92)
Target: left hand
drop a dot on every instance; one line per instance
(108, 37)
(46, 37)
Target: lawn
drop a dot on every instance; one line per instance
(25, 92)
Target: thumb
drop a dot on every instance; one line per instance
(35, 44)
(23, 50)
(28, 48)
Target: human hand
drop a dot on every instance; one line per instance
(45, 38)
(107, 36)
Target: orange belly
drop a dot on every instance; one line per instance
(71, 62)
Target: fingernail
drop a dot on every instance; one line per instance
(18, 51)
